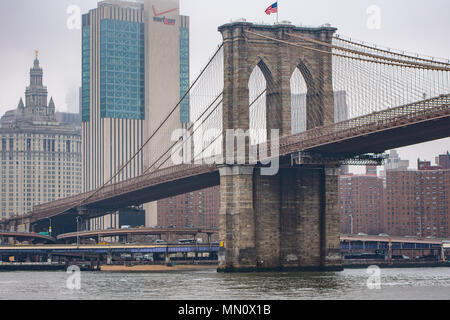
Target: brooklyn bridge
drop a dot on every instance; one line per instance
(278, 167)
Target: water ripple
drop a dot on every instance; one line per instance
(351, 284)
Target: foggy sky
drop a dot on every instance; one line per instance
(28, 25)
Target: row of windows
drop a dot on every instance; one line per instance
(86, 74)
(114, 53)
(122, 26)
(184, 74)
(122, 69)
(122, 115)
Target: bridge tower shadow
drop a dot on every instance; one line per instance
(290, 220)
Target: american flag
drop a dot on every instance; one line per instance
(272, 9)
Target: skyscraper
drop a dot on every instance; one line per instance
(135, 66)
(113, 80)
(40, 157)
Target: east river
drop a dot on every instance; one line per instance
(351, 284)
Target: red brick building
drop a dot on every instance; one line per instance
(432, 203)
(361, 199)
(418, 201)
(404, 203)
(195, 209)
(399, 195)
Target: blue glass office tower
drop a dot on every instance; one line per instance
(113, 89)
(184, 69)
(121, 53)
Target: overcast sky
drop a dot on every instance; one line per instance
(28, 25)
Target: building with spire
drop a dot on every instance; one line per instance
(40, 157)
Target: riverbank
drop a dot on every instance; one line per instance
(165, 268)
(156, 268)
(8, 267)
(5, 267)
(383, 265)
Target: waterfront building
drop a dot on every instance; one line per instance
(40, 156)
(401, 202)
(361, 202)
(195, 209)
(418, 202)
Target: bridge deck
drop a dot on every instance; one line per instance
(401, 126)
(27, 235)
(134, 232)
(103, 249)
(382, 242)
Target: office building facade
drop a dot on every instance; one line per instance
(135, 67)
(40, 157)
(113, 78)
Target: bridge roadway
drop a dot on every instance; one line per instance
(24, 236)
(136, 232)
(105, 249)
(410, 124)
(356, 243)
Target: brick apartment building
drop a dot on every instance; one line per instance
(195, 209)
(398, 208)
(408, 203)
(361, 199)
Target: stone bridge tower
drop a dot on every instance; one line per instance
(289, 220)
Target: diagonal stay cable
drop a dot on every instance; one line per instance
(426, 67)
(192, 125)
(195, 156)
(370, 55)
(394, 53)
(155, 132)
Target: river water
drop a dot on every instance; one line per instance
(351, 284)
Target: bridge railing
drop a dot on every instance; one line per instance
(312, 138)
(364, 124)
(155, 177)
(147, 180)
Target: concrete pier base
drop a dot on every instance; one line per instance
(286, 222)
